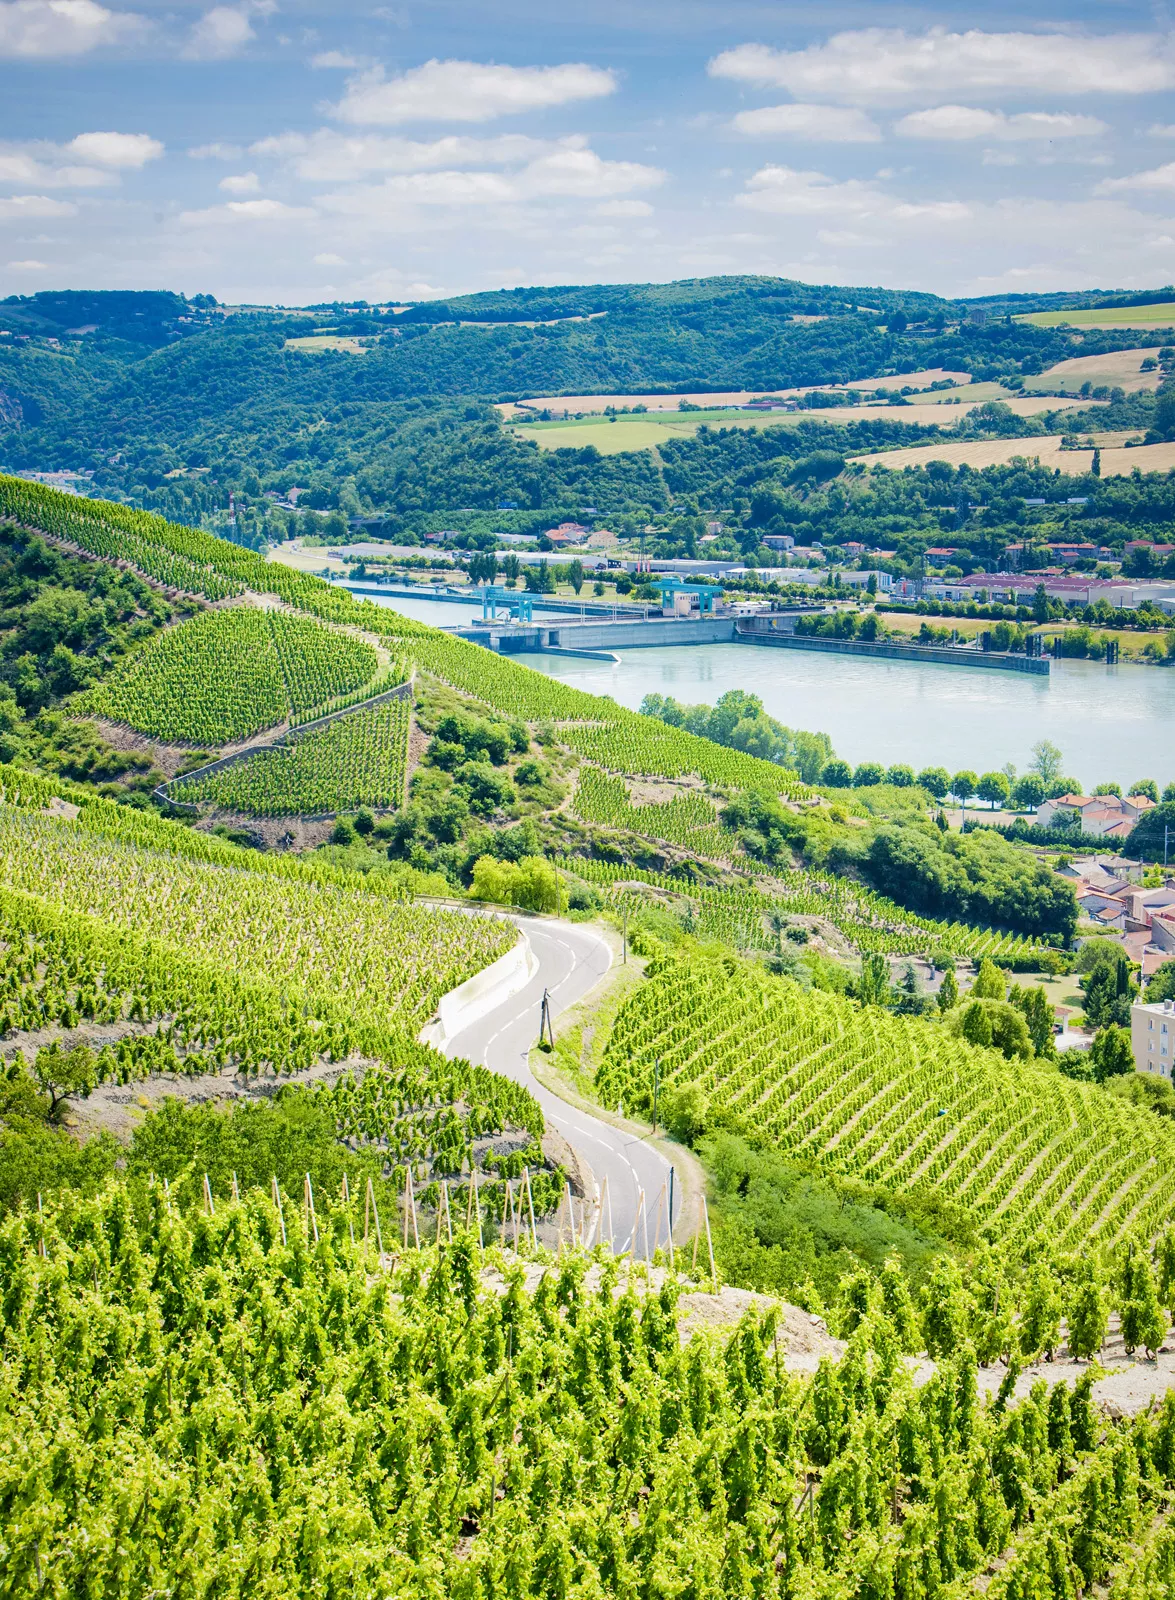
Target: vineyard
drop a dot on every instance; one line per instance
(359, 759)
(238, 1401)
(227, 674)
(392, 960)
(1037, 1159)
(741, 916)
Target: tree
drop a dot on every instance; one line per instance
(1111, 1053)
(1109, 990)
(976, 1024)
(576, 574)
(836, 774)
(1147, 787)
(994, 788)
(1040, 604)
(901, 776)
(61, 1073)
(948, 991)
(1087, 1312)
(935, 780)
(1047, 760)
(1028, 793)
(990, 983)
(868, 774)
(963, 786)
(873, 988)
(1038, 1014)
(1162, 983)
(1153, 836)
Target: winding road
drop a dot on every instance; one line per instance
(572, 958)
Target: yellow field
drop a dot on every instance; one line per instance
(1120, 368)
(575, 405)
(1116, 461)
(328, 341)
(1158, 316)
(646, 432)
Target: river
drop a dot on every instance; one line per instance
(1112, 724)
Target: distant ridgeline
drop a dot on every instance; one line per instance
(171, 403)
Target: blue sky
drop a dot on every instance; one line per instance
(281, 150)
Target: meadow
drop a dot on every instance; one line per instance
(1116, 460)
(1156, 316)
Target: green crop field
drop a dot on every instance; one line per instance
(359, 759)
(1156, 316)
(1038, 1159)
(227, 674)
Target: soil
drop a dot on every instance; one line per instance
(654, 792)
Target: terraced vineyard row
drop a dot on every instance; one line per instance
(868, 920)
(288, 1418)
(391, 959)
(359, 759)
(689, 820)
(1036, 1157)
(227, 674)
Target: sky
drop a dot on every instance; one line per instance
(292, 151)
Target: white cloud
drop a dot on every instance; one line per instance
(969, 122)
(330, 157)
(246, 211)
(468, 91)
(224, 30)
(1161, 130)
(624, 208)
(20, 166)
(563, 175)
(822, 124)
(28, 266)
(328, 259)
(334, 58)
(216, 152)
(784, 191)
(124, 150)
(1158, 179)
(49, 29)
(877, 65)
(240, 183)
(20, 206)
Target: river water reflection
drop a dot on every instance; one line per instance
(1111, 723)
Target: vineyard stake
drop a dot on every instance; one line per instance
(208, 1206)
(347, 1203)
(710, 1247)
(637, 1220)
(600, 1218)
(311, 1219)
(366, 1210)
(379, 1238)
(277, 1200)
(534, 1232)
(236, 1193)
(410, 1209)
(41, 1226)
(477, 1213)
(657, 1226)
(697, 1236)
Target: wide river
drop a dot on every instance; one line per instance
(1111, 723)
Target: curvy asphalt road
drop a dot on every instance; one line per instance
(572, 958)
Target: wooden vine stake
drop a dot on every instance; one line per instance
(710, 1247)
(347, 1203)
(208, 1206)
(311, 1219)
(534, 1232)
(236, 1193)
(636, 1223)
(40, 1226)
(475, 1202)
(277, 1200)
(410, 1209)
(448, 1210)
(657, 1224)
(371, 1209)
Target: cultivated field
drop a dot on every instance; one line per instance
(1116, 461)
(1119, 367)
(646, 432)
(1159, 316)
(328, 341)
(595, 404)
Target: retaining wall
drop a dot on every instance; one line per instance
(940, 655)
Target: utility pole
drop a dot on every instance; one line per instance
(546, 1026)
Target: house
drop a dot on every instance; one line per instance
(1152, 1035)
(779, 541)
(852, 547)
(860, 580)
(567, 533)
(1102, 815)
